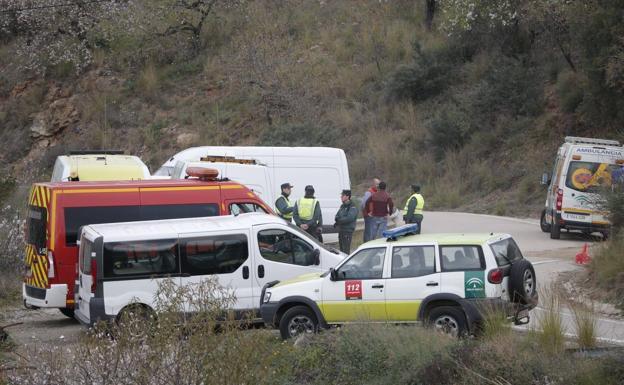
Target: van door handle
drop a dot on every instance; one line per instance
(260, 271)
(377, 286)
(432, 284)
(245, 272)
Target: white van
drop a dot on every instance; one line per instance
(583, 166)
(122, 263)
(98, 166)
(264, 169)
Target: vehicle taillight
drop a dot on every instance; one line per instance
(495, 276)
(559, 199)
(51, 272)
(93, 274)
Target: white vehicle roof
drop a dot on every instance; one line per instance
(146, 230)
(269, 156)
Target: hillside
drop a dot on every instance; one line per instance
(468, 98)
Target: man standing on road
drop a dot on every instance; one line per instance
(379, 206)
(413, 211)
(345, 221)
(307, 214)
(283, 206)
(367, 219)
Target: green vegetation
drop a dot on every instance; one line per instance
(472, 108)
(142, 349)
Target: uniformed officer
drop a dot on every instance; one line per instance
(345, 221)
(413, 211)
(307, 214)
(283, 206)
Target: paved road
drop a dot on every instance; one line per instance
(550, 257)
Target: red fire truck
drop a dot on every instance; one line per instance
(57, 211)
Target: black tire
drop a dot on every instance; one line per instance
(298, 320)
(522, 282)
(555, 229)
(67, 312)
(449, 320)
(545, 226)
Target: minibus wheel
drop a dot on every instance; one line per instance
(67, 312)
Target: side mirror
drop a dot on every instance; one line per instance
(316, 256)
(545, 179)
(333, 274)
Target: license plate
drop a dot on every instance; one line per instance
(577, 217)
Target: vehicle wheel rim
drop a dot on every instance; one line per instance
(299, 325)
(529, 283)
(447, 324)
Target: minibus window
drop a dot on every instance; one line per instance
(141, 258)
(459, 258)
(221, 254)
(282, 246)
(153, 212)
(36, 230)
(589, 176)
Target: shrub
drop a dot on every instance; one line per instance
(552, 336)
(585, 322)
(569, 90)
(428, 75)
(607, 268)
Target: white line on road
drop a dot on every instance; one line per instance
(543, 262)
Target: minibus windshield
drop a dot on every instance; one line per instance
(590, 176)
(36, 228)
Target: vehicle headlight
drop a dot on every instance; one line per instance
(267, 297)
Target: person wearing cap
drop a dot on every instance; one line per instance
(283, 206)
(379, 206)
(307, 214)
(413, 211)
(345, 221)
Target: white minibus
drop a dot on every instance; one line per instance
(122, 264)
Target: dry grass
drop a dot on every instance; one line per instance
(585, 322)
(552, 335)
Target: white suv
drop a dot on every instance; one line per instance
(445, 280)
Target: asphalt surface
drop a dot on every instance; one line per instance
(550, 257)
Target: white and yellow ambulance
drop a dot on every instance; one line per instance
(582, 168)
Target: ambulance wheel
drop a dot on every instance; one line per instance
(545, 226)
(449, 320)
(67, 312)
(555, 229)
(296, 321)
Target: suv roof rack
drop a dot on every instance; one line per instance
(96, 152)
(401, 231)
(578, 140)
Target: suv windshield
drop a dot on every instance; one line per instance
(36, 228)
(589, 176)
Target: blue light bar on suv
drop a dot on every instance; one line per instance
(392, 234)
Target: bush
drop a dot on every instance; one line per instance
(430, 72)
(569, 90)
(607, 268)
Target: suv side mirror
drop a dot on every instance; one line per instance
(545, 179)
(316, 256)
(333, 274)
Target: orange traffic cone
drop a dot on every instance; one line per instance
(583, 257)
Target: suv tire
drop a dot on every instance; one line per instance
(555, 229)
(449, 320)
(522, 282)
(298, 320)
(67, 312)
(545, 226)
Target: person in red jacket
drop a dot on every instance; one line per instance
(368, 220)
(379, 206)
